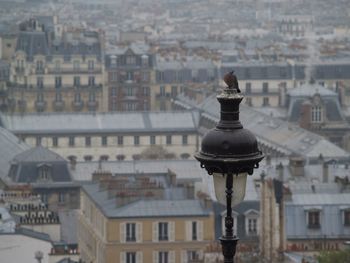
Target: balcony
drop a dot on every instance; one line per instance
(92, 105)
(40, 105)
(58, 105)
(77, 105)
(75, 71)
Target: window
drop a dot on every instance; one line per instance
(163, 257)
(39, 66)
(58, 81)
(130, 60)
(114, 92)
(76, 81)
(61, 197)
(130, 257)
(113, 76)
(130, 91)
(184, 139)
(316, 114)
(88, 141)
(152, 139)
(130, 232)
(120, 140)
(145, 76)
(252, 226)
(192, 255)
(163, 231)
(38, 141)
(91, 81)
(40, 97)
(58, 97)
(145, 91)
(77, 97)
(266, 101)
(92, 96)
(265, 88)
(248, 88)
(347, 218)
(136, 140)
(194, 230)
(71, 141)
(168, 139)
(248, 101)
(129, 75)
(88, 158)
(44, 172)
(162, 90)
(55, 141)
(174, 91)
(76, 65)
(314, 219)
(44, 198)
(40, 82)
(104, 140)
(91, 65)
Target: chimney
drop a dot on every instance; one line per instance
(296, 165)
(208, 204)
(325, 173)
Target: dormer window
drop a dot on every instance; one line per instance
(44, 172)
(316, 114)
(346, 217)
(313, 219)
(130, 60)
(251, 222)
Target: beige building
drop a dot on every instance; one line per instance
(56, 72)
(109, 136)
(144, 230)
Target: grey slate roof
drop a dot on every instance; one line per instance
(10, 146)
(302, 94)
(283, 136)
(38, 154)
(24, 167)
(73, 123)
(144, 208)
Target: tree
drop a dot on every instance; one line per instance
(342, 256)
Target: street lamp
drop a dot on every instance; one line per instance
(229, 153)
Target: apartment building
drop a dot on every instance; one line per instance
(135, 225)
(54, 69)
(129, 73)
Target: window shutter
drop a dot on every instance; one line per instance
(122, 257)
(155, 256)
(183, 256)
(188, 230)
(172, 231)
(139, 232)
(155, 231)
(139, 257)
(171, 256)
(200, 230)
(122, 232)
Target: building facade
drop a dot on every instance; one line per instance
(129, 76)
(53, 72)
(109, 136)
(141, 230)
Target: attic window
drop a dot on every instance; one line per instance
(316, 114)
(44, 172)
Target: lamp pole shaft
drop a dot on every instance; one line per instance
(229, 241)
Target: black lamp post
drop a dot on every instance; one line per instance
(229, 153)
